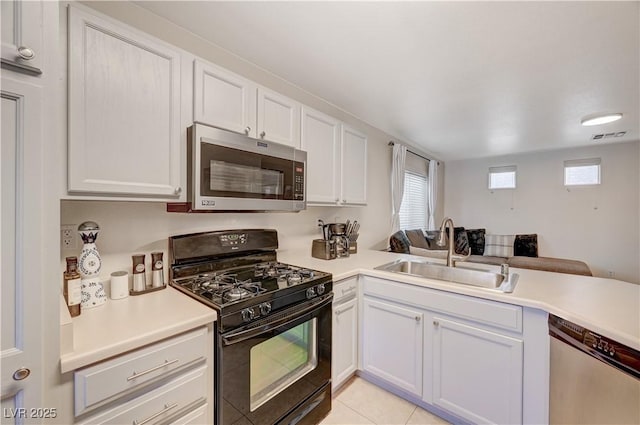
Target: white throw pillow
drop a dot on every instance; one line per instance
(499, 245)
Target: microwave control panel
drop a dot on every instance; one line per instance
(298, 181)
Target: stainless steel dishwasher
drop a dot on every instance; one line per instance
(594, 380)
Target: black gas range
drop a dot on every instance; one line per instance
(259, 299)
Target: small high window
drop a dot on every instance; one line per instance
(582, 172)
(502, 177)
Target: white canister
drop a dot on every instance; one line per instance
(119, 285)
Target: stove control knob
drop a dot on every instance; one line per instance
(311, 292)
(248, 314)
(320, 289)
(265, 308)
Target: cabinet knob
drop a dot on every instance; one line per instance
(418, 318)
(344, 201)
(177, 190)
(26, 53)
(247, 130)
(21, 374)
(263, 134)
(436, 323)
(337, 200)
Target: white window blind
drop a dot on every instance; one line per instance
(580, 172)
(413, 211)
(502, 177)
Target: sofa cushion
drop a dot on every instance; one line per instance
(558, 265)
(398, 242)
(416, 238)
(475, 238)
(526, 245)
(460, 235)
(486, 259)
(499, 245)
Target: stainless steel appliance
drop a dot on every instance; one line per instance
(594, 380)
(232, 172)
(273, 334)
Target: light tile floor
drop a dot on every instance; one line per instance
(360, 402)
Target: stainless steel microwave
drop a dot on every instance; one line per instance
(232, 172)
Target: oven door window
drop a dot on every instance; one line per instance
(281, 360)
(232, 173)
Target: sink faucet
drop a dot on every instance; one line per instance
(441, 240)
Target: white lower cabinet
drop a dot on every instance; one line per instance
(165, 382)
(462, 354)
(392, 344)
(344, 351)
(476, 374)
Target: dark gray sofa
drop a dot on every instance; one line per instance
(469, 247)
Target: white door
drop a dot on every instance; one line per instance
(477, 374)
(21, 252)
(392, 344)
(344, 351)
(124, 110)
(278, 118)
(22, 27)
(223, 99)
(354, 167)
(321, 139)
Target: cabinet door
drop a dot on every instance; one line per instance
(21, 183)
(321, 139)
(344, 354)
(477, 374)
(392, 344)
(124, 110)
(353, 187)
(223, 99)
(278, 118)
(22, 27)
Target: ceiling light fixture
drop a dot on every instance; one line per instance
(600, 119)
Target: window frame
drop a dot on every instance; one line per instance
(503, 170)
(578, 163)
(424, 178)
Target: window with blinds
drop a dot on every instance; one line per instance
(582, 172)
(413, 211)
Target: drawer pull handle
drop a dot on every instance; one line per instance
(346, 291)
(160, 366)
(436, 323)
(167, 407)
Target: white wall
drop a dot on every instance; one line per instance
(596, 224)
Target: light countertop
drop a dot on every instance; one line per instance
(606, 306)
(123, 325)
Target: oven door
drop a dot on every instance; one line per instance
(278, 370)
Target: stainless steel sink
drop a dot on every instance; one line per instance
(484, 279)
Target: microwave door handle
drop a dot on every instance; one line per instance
(284, 319)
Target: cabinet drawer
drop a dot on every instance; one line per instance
(116, 377)
(491, 313)
(188, 392)
(345, 289)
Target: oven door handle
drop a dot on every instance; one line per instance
(280, 319)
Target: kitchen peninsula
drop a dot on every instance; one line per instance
(521, 316)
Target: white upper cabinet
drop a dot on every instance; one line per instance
(124, 110)
(22, 35)
(336, 161)
(321, 140)
(226, 100)
(353, 187)
(223, 99)
(278, 118)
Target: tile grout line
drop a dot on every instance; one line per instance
(415, 407)
(356, 412)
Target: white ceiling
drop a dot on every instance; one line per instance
(459, 79)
